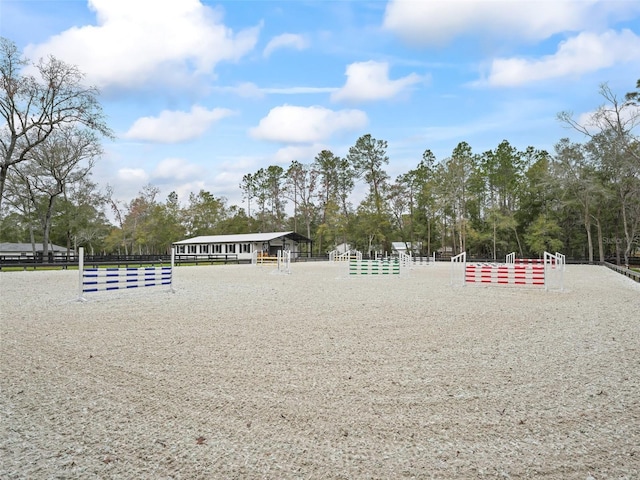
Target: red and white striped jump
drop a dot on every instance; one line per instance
(529, 261)
(547, 273)
(511, 274)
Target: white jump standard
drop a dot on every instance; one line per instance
(282, 261)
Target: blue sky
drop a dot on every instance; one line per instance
(200, 93)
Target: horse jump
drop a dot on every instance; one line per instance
(410, 261)
(557, 259)
(103, 279)
(284, 261)
(505, 274)
(547, 274)
(375, 267)
(347, 256)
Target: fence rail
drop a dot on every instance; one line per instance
(624, 271)
(115, 260)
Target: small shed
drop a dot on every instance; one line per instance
(343, 248)
(406, 247)
(242, 246)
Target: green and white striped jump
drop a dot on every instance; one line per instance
(374, 267)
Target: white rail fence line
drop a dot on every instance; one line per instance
(105, 279)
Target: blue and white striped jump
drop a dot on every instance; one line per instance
(104, 279)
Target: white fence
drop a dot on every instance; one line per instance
(410, 261)
(335, 256)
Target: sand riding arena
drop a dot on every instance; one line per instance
(316, 374)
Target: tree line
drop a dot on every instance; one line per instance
(582, 199)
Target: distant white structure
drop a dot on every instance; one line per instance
(242, 246)
(343, 248)
(406, 247)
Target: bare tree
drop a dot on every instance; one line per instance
(32, 108)
(84, 220)
(616, 116)
(119, 213)
(301, 181)
(580, 185)
(611, 132)
(65, 157)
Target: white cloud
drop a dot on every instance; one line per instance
(246, 90)
(286, 40)
(136, 175)
(584, 53)
(302, 153)
(139, 42)
(175, 126)
(177, 169)
(185, 189)
(291, 124)
(438, 22)
(299, 90)
(251, 90)
(370, 81)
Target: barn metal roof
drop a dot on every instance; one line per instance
(28, 248)
(244, 238)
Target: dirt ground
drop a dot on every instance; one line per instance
(244, 373)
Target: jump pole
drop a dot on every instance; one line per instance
(80, 272)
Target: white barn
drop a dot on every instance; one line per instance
(242, 246)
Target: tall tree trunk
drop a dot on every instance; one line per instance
(47, 227)
(627, 236)
(429, 237)
(33, 241)
(515, 230)
(600, 240)
(495, 252)
(587, 226)
(3, 178)
(454, 250)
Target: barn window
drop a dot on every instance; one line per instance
(217, 248)
(230, 248)
(204, 248)
(192, 248)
